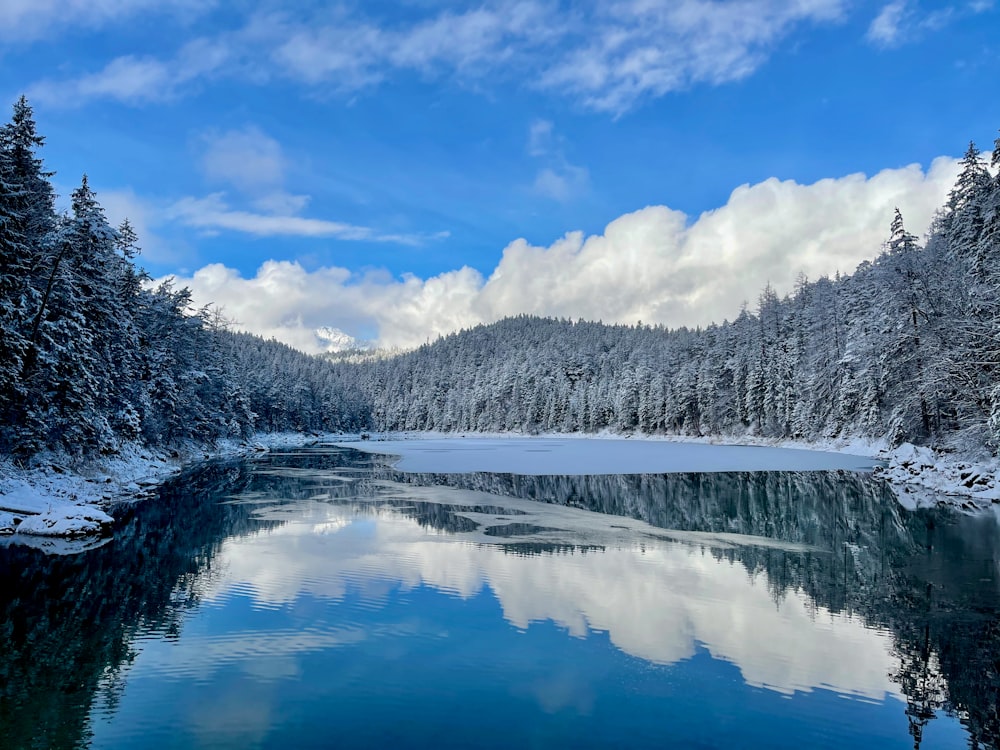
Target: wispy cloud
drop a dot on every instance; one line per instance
(648, 48)
(605, 56)
(137, 80)
(27, 20)
(905, 21)
(213, 213)
(886, 30)
(540, 134)
(561, 185)
(557, 178)
(254, 164)
(247, 158)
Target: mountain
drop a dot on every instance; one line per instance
(333, 340)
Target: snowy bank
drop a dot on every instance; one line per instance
(24, 509)
(923, 477)
(50, 500)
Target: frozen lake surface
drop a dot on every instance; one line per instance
(548, 455)
(321, 597)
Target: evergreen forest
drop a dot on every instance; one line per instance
(94, 358)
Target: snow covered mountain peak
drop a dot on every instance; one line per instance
(334, 340)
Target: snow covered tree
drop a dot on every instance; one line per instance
(963, 220)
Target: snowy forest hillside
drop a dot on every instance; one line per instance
(91, 359)
(906, 348)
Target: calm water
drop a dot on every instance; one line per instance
(320, 599)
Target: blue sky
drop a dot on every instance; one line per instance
(368, 152)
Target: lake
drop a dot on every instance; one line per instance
(321, 598)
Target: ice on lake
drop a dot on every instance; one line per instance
(541, 456)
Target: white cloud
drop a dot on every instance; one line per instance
(248, 159)
(285, 302)
(605, 56)
(465, 40)
(26, 20)
(281, 203)
(560, 183)
(255, 164)
(213, 213)
(540, 138)
(652, 47)
(349, 53)
(885, 30)
(904, 21)
(345, 56)
(559, 179)
(653, 265)
(129, 79)
(136, 80)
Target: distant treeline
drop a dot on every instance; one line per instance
(907, 348)
(91, 358)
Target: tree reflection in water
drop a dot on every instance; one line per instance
(70, 623)
(929, 576)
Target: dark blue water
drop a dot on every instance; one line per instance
(321, 599)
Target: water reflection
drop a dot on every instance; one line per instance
(803, 582)
(69, 624)
(656, 600)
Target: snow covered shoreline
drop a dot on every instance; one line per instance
(50, 500)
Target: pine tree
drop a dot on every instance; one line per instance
(986, 259)
(964, 218)
(14, 288)
(27, 236)
(903, 313)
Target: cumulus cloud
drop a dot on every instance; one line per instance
(606, 56)
(655, 265)
(286, 302)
